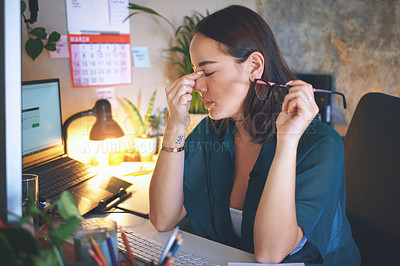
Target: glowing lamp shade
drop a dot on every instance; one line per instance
(104, 127)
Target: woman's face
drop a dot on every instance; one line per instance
(225, 83)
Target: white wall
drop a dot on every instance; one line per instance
(146, 30)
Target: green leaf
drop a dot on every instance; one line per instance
(23, 7)
(187, 47)
(148, 113)
(54, 37)
(136, 113)
(23, 247)
(144, 125)
(130, 15)
(59, 255)
(179, 64)
(143, 9)
(34, 47)
(50, 46)
(177, 49)
(197, 106)
(39, 32)
(33, 210)
(67, 206)
(191, 22)
(4, 243)
(155, 121)
(48, 257)
(67, 228)
(178, 30)
(186, 30)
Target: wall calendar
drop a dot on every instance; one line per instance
(100, 60)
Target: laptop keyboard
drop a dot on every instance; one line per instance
(148, 250)
(60, 174)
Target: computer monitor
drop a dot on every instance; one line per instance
(41, 121)
(10, 112)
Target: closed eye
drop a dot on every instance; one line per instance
(209, 74)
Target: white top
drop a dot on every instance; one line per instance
(236, 216)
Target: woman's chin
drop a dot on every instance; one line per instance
(214, 115)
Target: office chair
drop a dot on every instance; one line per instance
(372, 165)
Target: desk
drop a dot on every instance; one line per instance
(201, 247)
(210, 250)
(139, 201)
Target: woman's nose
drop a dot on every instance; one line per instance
(200, 85)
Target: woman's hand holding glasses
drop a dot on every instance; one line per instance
(298, 107)
(298, 110)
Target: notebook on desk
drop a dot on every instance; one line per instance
(43, 151)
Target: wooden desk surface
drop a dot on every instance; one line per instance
(69, 252)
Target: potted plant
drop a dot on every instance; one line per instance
(34, 45)
(19, 247)
(183, 37)
(157, 124)
(145, 143)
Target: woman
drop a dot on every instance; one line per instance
(250, 175)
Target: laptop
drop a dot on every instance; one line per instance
(43, 151)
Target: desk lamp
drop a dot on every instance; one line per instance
(104, 127)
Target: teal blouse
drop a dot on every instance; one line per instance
(320, 192)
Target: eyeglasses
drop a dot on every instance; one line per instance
(264, 90)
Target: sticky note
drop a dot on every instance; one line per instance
(108, 94)
(61, 48)
(140, 55)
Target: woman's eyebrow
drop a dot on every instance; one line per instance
(203, 63)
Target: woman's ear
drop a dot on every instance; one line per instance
(256, 65)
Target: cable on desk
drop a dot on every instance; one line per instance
(123, 210)
(143, 215)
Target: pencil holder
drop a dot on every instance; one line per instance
(96, 241)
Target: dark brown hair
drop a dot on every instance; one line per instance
(242, 31)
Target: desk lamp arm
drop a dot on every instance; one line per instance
(69, 120)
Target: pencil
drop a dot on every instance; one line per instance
(111, 250)
(94, 256)
(168, 246)
(128, 248)
(177, 244)
(98, 251)
(167, 259)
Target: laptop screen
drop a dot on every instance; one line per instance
(41, 121)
